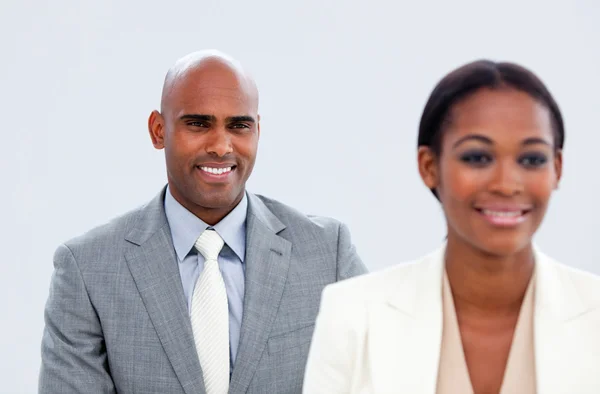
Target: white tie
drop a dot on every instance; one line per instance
(210, 316)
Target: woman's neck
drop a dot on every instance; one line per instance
(483, 283)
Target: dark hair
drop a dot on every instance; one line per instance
(468, 79)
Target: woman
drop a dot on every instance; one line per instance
(487, 312)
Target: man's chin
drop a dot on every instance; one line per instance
(218, 201)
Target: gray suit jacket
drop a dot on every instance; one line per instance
(116, 318)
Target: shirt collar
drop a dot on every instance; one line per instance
(187, 227)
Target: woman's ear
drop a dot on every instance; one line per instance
(428, 167)
(558, 166)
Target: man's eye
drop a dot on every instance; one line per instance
(239, 126)
(476, 158)
(197, 124)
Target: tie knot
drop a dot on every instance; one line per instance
(209, 244)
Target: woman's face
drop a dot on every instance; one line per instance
(496, 170)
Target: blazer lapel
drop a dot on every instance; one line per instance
(565, 341)
(405, 331)
(562, 343)
(153, 265)
(267, 262)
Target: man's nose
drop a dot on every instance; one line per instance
(219, 142)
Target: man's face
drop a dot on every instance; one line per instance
(209, 129)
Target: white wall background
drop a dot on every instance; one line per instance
(342, 85)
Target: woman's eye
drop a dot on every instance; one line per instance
(476, 158)
(533, 160)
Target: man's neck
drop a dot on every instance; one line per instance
(210, 216)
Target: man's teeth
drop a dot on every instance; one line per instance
(216, 171)
(502, 214)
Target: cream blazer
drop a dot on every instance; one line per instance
(381, 332)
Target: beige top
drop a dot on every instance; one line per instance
(519, 375)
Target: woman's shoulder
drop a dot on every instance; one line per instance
(585, 284)
(381, 284)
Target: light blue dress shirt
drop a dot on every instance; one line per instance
(185, 230)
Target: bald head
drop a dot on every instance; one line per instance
(209, 128)
(207, 69)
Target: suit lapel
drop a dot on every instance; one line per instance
(267, 262)
(153, 265)
(405, 331)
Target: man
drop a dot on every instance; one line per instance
(207, 288)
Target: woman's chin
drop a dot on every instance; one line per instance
(503, 246)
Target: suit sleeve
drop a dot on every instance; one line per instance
(74, 358)
(332, 354)
(349, 263)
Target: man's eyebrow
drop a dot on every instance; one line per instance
(198, 117)
(476, 137)
(242, 118)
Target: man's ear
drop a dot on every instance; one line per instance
(156, 129)
(258, 125)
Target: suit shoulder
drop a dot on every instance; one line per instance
(109, 233)
(293, 217)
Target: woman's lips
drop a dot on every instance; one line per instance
(504, 216)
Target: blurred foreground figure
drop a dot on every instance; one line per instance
(487, 312)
